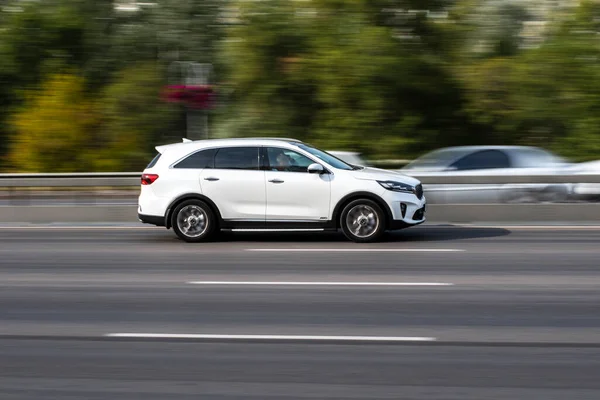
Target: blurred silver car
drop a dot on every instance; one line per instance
(487, 161)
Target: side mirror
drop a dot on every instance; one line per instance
(315, 169)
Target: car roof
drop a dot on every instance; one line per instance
(489, 147)
(460, 151)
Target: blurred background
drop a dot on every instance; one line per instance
(94, 85)
(487, 102)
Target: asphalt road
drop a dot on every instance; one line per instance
(431, 313)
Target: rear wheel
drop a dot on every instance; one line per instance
(193, 221)
(363, 221)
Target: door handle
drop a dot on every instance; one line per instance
(276, 180)
(211, 178)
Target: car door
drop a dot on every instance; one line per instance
(294, 194)
(236, 183)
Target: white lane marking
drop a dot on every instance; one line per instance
(66, 228)
(355, 250)
(300, 283)
(273, 337)
(453, 225)
(535, 227)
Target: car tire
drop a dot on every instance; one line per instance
(193, 221)
(363, 221)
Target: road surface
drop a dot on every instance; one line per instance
(431, 313)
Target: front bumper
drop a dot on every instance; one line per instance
(417, 219)
(407, 209)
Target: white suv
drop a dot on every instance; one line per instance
(200, 187)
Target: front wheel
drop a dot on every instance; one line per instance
(193, 221)
(363, 221)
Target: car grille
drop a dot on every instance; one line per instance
(419, 191)
(419, 214)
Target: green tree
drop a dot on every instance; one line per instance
(53, 129)
(339, 73)
(100, 41)
(134, 120)
(560, 86)
(29, 40)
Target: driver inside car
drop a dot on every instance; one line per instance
(283, 162)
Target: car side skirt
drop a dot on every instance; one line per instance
(235, 225)
(277, 225)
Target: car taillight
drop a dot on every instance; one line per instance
(148, 179)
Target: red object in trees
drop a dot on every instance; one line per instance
(197, 96)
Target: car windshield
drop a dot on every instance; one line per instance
(436, 159)
(328, 158)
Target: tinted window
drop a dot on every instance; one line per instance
(237, 158)
(199, 160)
(485, 159)
(154, 161)
(287, 160)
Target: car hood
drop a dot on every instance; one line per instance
(376, 174)
(589, 167)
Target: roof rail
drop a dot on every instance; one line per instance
(185, 140)
(269, 138)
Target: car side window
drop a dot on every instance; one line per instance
(199, 160)
(484, 159)
(237, 158)
(285, 160)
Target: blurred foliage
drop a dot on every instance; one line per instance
(133, 120)
(546, 96)
(80, 80)
(336, 74)
(54, 127)
(120, 58)
(62, 127)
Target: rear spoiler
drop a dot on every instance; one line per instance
(162, 148)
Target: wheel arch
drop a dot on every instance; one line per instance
(344, 201)
(191, 196)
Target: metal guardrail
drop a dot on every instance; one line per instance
(71, 180)
(584, 214)
(507, 179)
(130, 179)
(24, 204)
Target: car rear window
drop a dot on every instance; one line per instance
(154, 161)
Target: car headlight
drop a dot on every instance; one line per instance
(397, 186)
